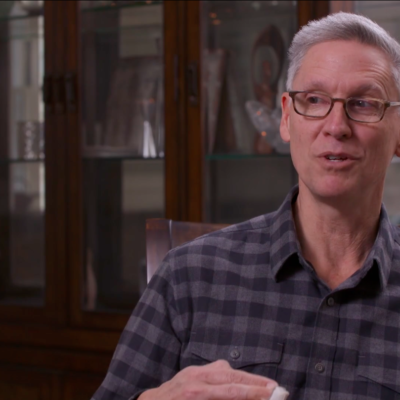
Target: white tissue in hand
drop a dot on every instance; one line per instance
(279, 393)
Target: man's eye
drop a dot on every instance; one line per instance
(360, 103)
(314, 100)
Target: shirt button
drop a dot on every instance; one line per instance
(331, 301)
(235, 354)
(319, 368)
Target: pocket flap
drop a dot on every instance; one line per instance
(383, 369)
(213, 347)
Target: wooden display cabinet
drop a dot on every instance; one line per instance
(72, 214)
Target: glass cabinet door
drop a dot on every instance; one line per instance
(387, 15)
(122, 124)
(248, 167)
(22, 155)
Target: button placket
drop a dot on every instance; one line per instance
(325, 331)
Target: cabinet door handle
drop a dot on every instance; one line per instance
(70, 91)
(192, 80)
(58, 94)
(47, 91)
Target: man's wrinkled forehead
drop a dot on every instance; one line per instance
(367, 87)
(330, 52)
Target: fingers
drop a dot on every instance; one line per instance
(235, 391)
(215, 381)
(220, 372)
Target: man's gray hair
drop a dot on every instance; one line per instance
(342, 26)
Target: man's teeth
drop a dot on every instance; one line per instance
(333, 158)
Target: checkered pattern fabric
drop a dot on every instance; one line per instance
(246, 294)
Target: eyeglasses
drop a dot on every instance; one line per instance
(318, 105)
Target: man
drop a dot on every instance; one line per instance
(307, 296)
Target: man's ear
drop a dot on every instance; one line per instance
(285, 121)
(397, 152)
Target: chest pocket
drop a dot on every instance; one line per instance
(378, 376)
(258, 358)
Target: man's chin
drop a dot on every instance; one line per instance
(333, 189)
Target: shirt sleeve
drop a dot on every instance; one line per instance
(148, 351)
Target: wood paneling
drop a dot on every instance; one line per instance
(337, 5)
(195, 143)
(309, 10)
(27, 384)
(80, 387)
(183, 120)
(321, 8)
(67, 338)
(56, 359)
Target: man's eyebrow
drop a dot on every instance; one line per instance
(368, 87)
(359, 90)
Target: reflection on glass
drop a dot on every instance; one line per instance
(123, 146)
(244, 58)
(123, 81)
(23, 281)
(387, 15)
(32, 7)
(22, 208)
(20, 9)
(244, 188)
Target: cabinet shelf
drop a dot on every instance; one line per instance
(21, 161)
(118, 5)
(123, 29)
(10, 18)
(122, 158)
(210, 157)
(122, 154)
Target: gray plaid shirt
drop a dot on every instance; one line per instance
(246, 294)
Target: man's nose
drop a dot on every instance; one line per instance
(337, 122)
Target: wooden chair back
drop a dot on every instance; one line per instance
(163, 235)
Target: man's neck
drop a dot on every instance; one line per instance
(335, 240)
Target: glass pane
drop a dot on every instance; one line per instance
(387, 15)
(22, 205)
(123, 146)
(244, 58)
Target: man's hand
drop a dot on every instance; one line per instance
(215, 381)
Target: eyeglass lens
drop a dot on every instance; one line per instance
(318, 105)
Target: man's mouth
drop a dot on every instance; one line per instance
(336, 158)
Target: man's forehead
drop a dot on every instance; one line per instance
(346, 58)
(362, 87)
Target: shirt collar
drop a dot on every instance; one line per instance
(382, 250)
(284, 242)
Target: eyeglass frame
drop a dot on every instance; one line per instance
(385, 103)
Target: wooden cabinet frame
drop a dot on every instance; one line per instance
(194, 167)
(184, 149)
(54, 310)
(70, 336)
